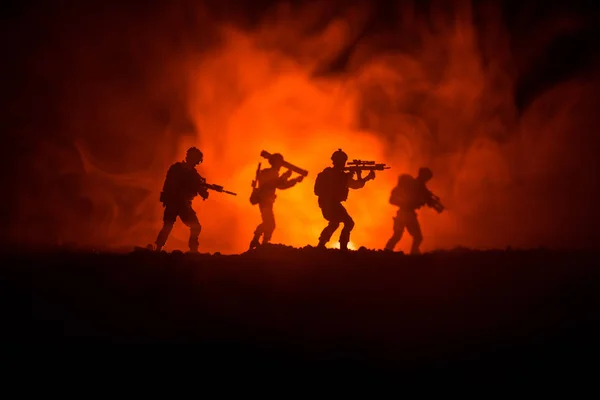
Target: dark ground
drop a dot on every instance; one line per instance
(292, 306)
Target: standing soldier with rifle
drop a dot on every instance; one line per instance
(263, 195)
(181, 186)
(409, 195)
(332, 188)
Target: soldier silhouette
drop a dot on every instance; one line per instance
(181, 186)
(269, 181)
(332, 188)
(410, 194)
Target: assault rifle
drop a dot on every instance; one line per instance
(216, 188)
(435, 203)
(255, 181)
(255, 195)
(360, 165)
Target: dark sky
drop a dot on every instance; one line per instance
(41, 39)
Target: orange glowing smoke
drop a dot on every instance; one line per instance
(280, 108)
(436, 103)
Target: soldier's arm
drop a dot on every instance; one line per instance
(288, 183)
(355, 183)
(359, 182)
(202, 190)
(430, 199)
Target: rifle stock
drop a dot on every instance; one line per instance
(255, 195)
(255, 181)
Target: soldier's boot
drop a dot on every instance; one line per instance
(326, 234)
(416, 244)
(164, 233)
(193, 247)
(258, 232)
(194, 234)
(345, 237)
(414, 250)
(395, 239)
(267, 237)
(254, 244)
(391, 244)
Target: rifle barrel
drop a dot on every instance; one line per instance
(379, 167)
(360, 163)
(218, 188)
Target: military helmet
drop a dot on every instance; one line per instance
(339, 156)
(425, 173)
(194, 154)
(276, 159)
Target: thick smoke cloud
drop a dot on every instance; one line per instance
(483, 95)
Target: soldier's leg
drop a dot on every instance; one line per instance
(331, 227)
(414, 229)
(169, 217)
(268, 218)
(327, 233)
(190, 219)
(398, 231)
(348, 226)
(258, 232)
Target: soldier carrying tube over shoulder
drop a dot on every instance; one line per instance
(267, 181)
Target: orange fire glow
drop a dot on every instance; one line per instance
(445, 100)
(247, 97)
(285, 111)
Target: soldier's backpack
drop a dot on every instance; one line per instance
(255, 196)
(396, 197)
(401, 191)
(320, 183)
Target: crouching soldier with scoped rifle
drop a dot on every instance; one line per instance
(409, 195)
(182, 184)
(332, 188)
(264, 186)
